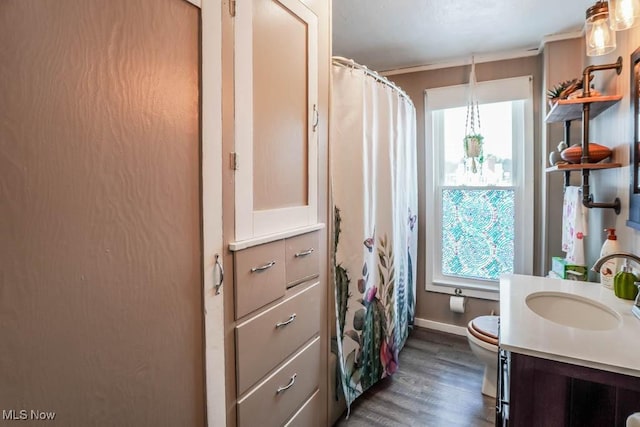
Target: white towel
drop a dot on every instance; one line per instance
(574, 226)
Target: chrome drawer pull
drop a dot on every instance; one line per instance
(263, 267)
(217, 286)
(304, 253)
(288, 386)
(285, 323)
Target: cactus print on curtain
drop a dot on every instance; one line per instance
(374, 192)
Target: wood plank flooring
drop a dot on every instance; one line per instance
(437, 384)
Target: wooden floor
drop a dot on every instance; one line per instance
(438, 384)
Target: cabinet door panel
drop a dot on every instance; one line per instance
(276, 63)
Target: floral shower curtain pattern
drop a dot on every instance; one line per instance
(374, 193)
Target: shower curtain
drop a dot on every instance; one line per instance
(374, 196)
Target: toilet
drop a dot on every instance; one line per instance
(482, 333)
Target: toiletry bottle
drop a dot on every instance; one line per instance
(624, 282)
(610, 267)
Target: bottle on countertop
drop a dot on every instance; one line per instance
(624, 283)
(610, 267)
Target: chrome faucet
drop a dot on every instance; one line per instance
(596, 267)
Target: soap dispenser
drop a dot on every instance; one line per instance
(610, 267)
(624, 282)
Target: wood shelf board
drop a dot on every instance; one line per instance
(581, 166)
(571, 109)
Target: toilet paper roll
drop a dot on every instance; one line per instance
(456, 304)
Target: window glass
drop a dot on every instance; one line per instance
(478, 229)
(496, 127)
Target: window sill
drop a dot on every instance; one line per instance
(488, 291)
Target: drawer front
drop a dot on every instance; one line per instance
(265, 406)
(302, 257)
(260, 277)
(298, 318)
(308, 415)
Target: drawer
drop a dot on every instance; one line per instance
(302, 258)
(308, 415)
(259, 276)
(261, 345)
(265, 406)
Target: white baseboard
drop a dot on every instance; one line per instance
(439, 326)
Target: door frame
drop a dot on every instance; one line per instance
(211, 185)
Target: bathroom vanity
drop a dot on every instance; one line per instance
(569, 354)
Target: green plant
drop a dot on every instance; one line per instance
(563, 89)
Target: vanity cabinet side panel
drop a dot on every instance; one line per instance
(592, 404)
(537, 398)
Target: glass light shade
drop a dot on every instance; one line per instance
(624, 14)
(600, 38)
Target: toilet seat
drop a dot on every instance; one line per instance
(485, 329)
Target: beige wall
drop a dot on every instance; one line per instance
(430, 305)
(562, 60)
(100, 283)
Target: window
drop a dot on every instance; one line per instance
(482, 213)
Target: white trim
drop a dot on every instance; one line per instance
(249, 222)
(517, 88)
(439, 326)
(458, 62)
(489, 57)
(511, 89)
(244, 244)
(559, 37)
(468, 288)
(212, 243)
(196, 3)
(243, 82)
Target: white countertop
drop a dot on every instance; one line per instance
(523, 331)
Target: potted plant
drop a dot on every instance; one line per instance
(473, 145)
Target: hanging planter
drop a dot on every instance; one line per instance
(473, 139)
(473, 145)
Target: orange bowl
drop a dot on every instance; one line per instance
(597, 153)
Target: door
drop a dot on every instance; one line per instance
(276, 105)
(101, 283)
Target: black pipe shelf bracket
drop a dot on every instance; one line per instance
(585, 107)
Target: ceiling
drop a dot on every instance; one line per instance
(391, 34)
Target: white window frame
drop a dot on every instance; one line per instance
(511, 89)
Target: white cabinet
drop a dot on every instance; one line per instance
(276, 117)
(275, 90)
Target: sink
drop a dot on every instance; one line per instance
(573, 310)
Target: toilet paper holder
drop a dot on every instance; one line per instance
(457, 302)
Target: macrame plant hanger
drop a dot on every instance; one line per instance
(473, 139)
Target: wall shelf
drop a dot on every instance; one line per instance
(571, 109)
(580, 166)
(585, 108)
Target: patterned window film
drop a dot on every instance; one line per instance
(478, 230)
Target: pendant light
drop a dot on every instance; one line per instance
(624, 14)
(600, 38)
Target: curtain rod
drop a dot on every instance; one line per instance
(350, 63)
